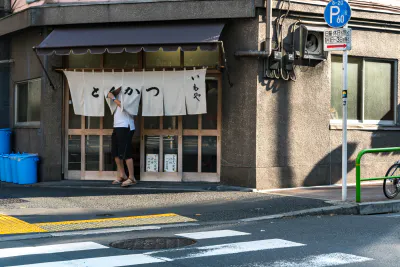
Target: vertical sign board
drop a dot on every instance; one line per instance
(337, 14)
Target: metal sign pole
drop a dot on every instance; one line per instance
(344, 124)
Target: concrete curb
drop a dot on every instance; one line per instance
(369, 208)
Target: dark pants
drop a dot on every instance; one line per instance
(121, 143)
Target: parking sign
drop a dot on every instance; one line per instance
(337, 13)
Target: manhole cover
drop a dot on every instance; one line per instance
(153, 243)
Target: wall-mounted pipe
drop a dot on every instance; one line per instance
(268, 38)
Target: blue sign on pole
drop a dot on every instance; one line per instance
(337, 13)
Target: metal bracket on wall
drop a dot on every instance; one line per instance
(45, 71)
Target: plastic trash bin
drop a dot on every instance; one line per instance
(7, 168)
(14, 167)
(2, 175)
(5, 141)
(27, 169)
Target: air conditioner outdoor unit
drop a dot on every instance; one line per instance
(312, 43)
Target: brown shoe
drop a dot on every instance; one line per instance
(128, 183)
(119, 180)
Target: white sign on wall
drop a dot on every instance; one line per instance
(152, 163)
(170, 162)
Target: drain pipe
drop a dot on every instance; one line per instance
(268, 39)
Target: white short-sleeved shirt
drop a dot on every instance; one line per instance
(123, 120)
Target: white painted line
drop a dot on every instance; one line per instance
(332, 259)
(113, 261)
(234, 248)
(106, 231)
(392, 216)
(212, 234)
(23, 251)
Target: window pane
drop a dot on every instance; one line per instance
(163, 59)
(121, 60)
(170, 123)
(92, 152)
(22, 108)
(152, 151)
(190, 153)
(190, 122)
(34, 100)
(152, 122)
(209, 120)
(202, 58)
(378, 91)
(170, 146)
(92, 122)
(74, 121)
(74, 152)
(28, 101)
(354, 85)
(209, 154)
(84, 61)
(109, 163)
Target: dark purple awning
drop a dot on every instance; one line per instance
(131, 39)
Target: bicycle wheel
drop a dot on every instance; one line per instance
(391, 187)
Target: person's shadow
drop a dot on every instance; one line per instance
(331, 163)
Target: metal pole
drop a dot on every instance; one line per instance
(344, 125)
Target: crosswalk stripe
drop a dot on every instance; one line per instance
(324, 260)
(234, 248)
(113, 261)
(48, 249)
(212, 234)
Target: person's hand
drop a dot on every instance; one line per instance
(110, 95)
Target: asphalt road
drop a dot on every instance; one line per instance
(296, 242)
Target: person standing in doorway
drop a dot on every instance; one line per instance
(121, 141)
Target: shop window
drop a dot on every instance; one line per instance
(152, 151)
(201, 58)
(371, 90)
(92, 152)
(109, 162)
(190, 153)
(27, 108)
(121, 60)
(74, 153)
(84, 61)
(209, 154)
(163, 59)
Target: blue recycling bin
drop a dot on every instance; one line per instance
(5, 141)
(27, 168)
(2, 175)
(14, 168)
(7, 168)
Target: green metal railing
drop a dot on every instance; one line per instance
(358, 168)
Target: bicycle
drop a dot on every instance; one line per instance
(391, 187)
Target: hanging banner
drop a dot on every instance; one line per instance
(152, 93)
(93, 100)
(111, 80)
(76, 85)
(132, 92)
(172, 93)
(195, 89)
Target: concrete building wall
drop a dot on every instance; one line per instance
(239, 105)
(46, 138)
(295, 143)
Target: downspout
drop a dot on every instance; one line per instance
(268, 39)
